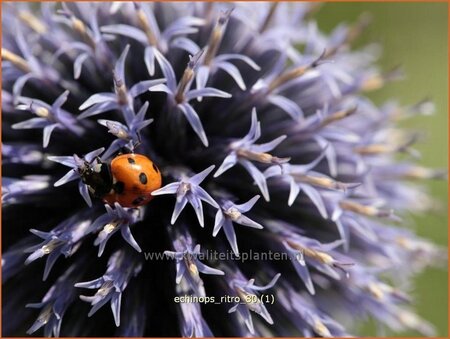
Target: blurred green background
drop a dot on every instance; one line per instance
(413, 35)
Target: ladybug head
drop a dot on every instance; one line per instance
(97, 176)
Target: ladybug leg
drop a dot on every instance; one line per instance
(139, 213)
(131, 148)
(125, 150)
(138, 142)
(99, 160)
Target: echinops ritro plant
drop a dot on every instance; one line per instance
(296, 182)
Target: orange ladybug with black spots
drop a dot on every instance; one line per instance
(129, 180)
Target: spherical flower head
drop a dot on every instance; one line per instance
(257, 120)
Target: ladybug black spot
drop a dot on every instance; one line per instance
(155, 168)
(131, 160)
(138, 200)
(119, 187)
(143, 178)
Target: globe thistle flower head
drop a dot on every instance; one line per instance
(231, 102)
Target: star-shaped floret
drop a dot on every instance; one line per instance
(230, 213)
(188, 190)
(157, 43)
(188, 264)
(244, 150)
(249, 294)
(126, 135)
(78, 165)
(122, 266)
(122, 99)
(48, 117)
(180, 95)
(115, 219)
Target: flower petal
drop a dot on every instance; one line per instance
(125, 30)
(259, 178)
(194, 120)
(78, 64)
(179, 206)
(70, 176)
(144, 86)
(234, 72)
(47, 133)
(119, 69)
(83, 189)
(206, 92)
(31, 123)
(198, 178)
(98, 98)
(185, 44)
(287, 105)
(126, 234)
(228, 162)
(248, 205)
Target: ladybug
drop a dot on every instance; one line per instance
(129, 180)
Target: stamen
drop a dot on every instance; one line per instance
(269, 17)
(412, 245)
(376, 291)
(374, 149)
(321, 329)
(193, 269)
(79, 27)
(110, 227)
(423, 107)
(16, 60)
(378, 80)
(339, 115)
(254, 304)
(33, 22)
(321, 182)
(369, 211)
(145, 26)
(48, 248)
(233, 213)
(296, 72)
(317, 255)
(183, 188)
(105, 289)
(187, 77)
(40, 111)
(45, 314)
(353, 33)
(418, 172)
(264, 158)
(120, 89)
(409, 319)
(117, 131)
(216, 37)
